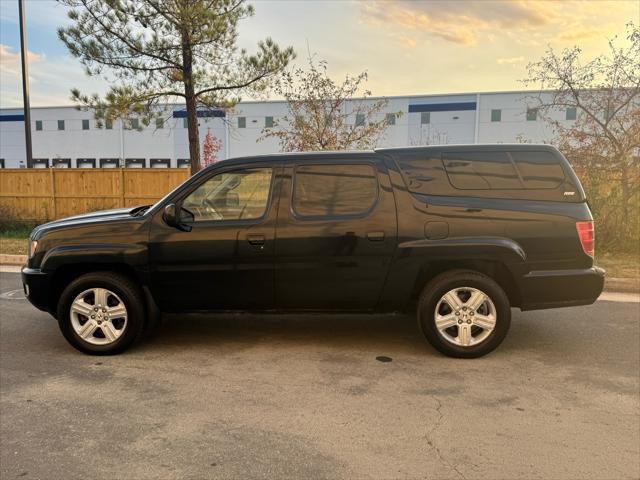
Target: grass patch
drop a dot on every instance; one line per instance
(13, 246)
(13, 237)
(619, 265)
(623, 271)
(14, 229)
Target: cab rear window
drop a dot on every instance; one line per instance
(539, 170)
(481, 171)
(534, 170)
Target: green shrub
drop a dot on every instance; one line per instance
(11, 227)
(617, 225)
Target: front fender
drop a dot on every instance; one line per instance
(133, 255)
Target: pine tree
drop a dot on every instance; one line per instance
(155, 51)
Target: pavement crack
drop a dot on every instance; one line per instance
(432, 443)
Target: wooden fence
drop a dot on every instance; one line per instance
(47, 194)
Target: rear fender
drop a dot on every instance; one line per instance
(419, 261)
(487, 248)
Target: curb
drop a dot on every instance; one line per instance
(625, 285)
(12, 259)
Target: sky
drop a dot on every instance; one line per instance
(407, 47)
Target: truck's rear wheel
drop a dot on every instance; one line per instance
(464, 314)
(101, 313)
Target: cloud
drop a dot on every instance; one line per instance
(11, 75)
(469, 23)
(459, 22)
(10, 60)
(582, 34)
(50, 79)
(509, 61)
(407, 40)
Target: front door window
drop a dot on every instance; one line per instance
(237, 195)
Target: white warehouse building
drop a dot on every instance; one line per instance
(67, 137)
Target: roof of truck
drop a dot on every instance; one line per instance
(291, 156)
(484, 147)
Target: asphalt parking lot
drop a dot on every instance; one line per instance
(305, 397)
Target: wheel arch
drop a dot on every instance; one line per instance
(494, 269)
(67, 273)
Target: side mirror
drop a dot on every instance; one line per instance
(171, 218)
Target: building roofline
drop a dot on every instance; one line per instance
(377, 97)
(426, 95)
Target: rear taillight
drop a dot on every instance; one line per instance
(586, 234)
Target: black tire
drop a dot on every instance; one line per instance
(125, 289)
(453, 279)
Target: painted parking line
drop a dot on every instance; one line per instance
(10, 268)
(13, 295)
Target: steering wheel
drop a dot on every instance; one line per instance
(211, 212)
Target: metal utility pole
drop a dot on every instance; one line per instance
(25, 85)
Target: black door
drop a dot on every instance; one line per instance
(335, 235)
(226, 261)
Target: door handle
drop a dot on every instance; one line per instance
(375, 236)
(255, 239)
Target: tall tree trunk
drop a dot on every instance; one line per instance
(191, 104)
(192, 126)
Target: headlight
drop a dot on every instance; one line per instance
(33, 244)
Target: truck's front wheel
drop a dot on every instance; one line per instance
(101, 313)
(464, 314)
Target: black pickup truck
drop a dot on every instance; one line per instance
(458, 234)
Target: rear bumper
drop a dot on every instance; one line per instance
(561, 288)
(36, 286)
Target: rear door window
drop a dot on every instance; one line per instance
(330, 190)
(481, 171)
(539, 170)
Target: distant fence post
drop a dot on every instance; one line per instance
(122, 204)
(54, 200)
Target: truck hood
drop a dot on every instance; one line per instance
(100, 216)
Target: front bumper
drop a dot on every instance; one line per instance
(37, 287)
(561, 288)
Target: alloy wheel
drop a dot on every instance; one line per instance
(465, 316)
(98, 316)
